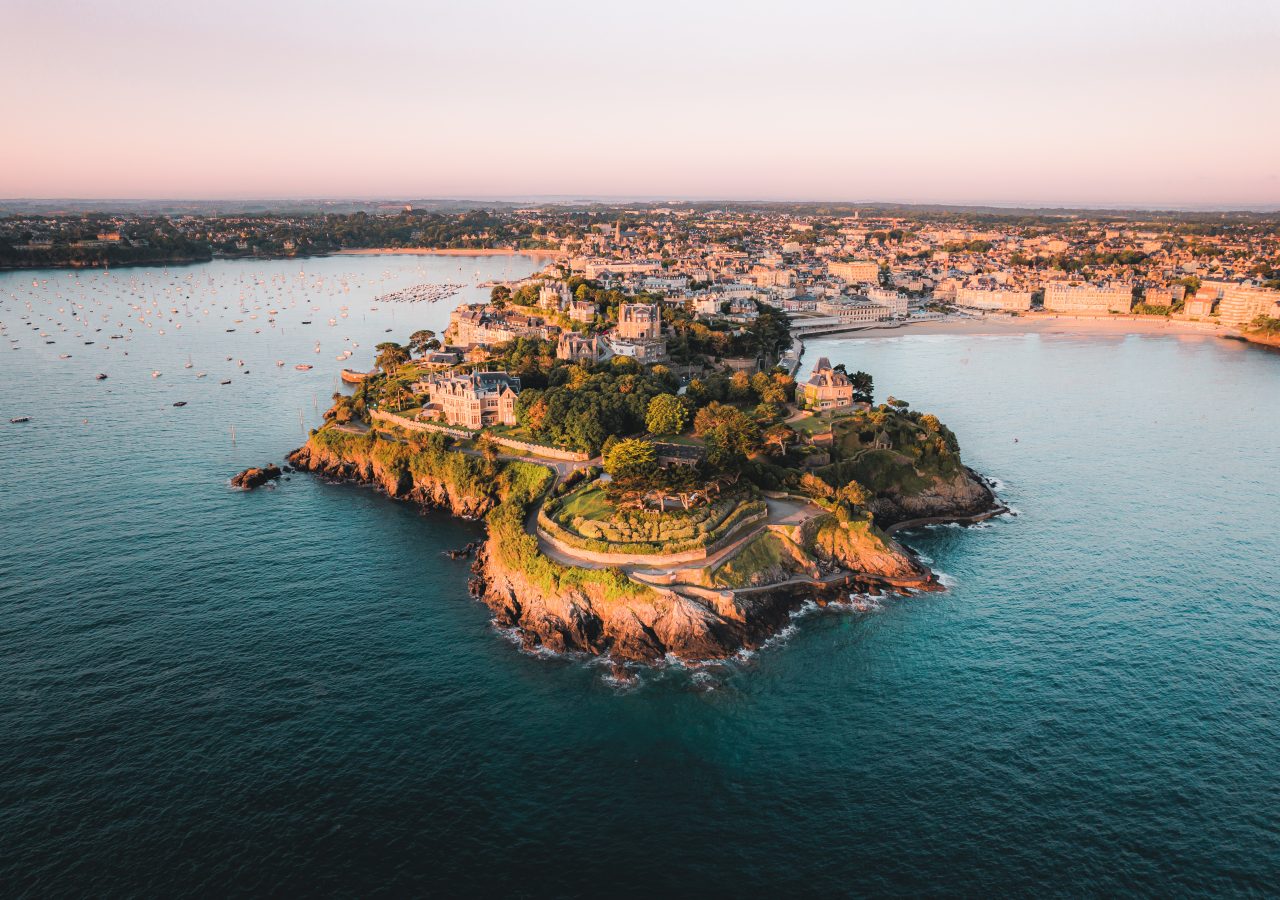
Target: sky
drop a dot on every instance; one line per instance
(1087, 103)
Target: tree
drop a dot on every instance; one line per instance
(532, 413)
(863, 387)
(666, 415)
(813, 486)
(854, 494)
(728, 433)
(420, 340)
(391, 356)
(488, 448)
(631, 458)
(777, 437)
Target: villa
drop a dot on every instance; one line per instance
(639, 321)
(577, 348)
(474, 401)
(826, 388)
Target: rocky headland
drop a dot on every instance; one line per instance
(639, 612)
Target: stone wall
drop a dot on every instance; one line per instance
(648, 559)
(463, 434)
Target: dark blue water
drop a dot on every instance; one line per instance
(290, 691)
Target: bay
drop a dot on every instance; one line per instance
(284, 691)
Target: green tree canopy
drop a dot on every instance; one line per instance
(631, 458)
(666, 415)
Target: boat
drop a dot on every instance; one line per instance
(201, 374)
(188, 365)
(155, 374)
(302, 367)
(280, 363)
(228, 381)
(351, 376)
(180, 403)
(18, 419)
(101, 376)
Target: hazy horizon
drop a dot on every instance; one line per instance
(1097, 106)
(618, 200)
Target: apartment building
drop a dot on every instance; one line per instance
(987, 298)
(858, 271)
(480, 323)
(896, 302)
(854, 310)
(1242, 303)
(1061, 296)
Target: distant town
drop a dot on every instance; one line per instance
(832, 268)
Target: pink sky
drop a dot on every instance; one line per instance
(1168, 103)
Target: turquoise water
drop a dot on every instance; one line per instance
(290, 691)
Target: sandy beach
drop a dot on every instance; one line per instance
(1046, 323)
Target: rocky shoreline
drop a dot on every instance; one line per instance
(689, 622)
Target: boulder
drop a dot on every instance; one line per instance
(255, 476)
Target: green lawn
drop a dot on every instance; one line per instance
(686, 440)
(514, 432)
(811, 425)
(756, 558)
(589, 503)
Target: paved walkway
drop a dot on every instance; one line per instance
(784, 511)
(781, 512)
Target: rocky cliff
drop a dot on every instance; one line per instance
(568, 608)
(648, 625)
(966, 495)
(354, 462)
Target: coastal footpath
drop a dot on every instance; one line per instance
(729, 602)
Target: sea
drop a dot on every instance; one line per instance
(289, 691)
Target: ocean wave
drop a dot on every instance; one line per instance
(864, 603)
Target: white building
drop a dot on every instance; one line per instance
(987, 298)
(1061, 296)
(853, 311)
(858, 271)
(896, 302)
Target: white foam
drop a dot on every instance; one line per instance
(864, 603)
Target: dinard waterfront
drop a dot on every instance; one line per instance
(200, 679)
